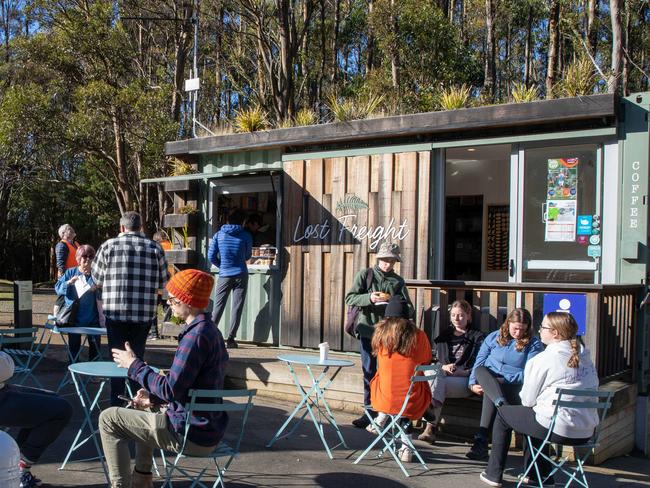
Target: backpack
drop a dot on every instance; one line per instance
(354, 310)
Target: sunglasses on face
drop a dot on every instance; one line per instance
(87, 256)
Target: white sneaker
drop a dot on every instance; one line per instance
(405, 455)
(488, 481)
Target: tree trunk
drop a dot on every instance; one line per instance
(490, 50)
(181, 40)
(627, 52)
(529, 49)
(592, 27)
(614, 82)
(553, 45)
(370, 58)
(394, 51)
(335, 40)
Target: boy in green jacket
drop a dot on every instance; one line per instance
(372, 301)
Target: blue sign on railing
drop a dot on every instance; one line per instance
(573, 303)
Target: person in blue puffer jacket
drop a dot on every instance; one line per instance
(89, 313)
(229, 250)
(503, 355)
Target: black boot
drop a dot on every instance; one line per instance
(363, 421)
(479, 450)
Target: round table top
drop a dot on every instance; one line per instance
(104, 369)
(94, 331)
(312, 360)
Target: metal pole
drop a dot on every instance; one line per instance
(195, 71)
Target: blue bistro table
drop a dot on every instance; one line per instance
(313, 399)
(81, 374)
(87, 332)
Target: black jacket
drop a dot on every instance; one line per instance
(466, 361)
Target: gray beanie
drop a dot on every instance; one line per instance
(6, 367)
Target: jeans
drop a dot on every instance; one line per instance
(443, 386)
(368, 365)
(239, 286)
(135, 333)
(509, 391)
(522, 420)
(149, 430)
(41, 415)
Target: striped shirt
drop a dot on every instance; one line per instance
(130, 269)
(199, 363)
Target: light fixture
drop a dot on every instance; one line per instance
(471, 149)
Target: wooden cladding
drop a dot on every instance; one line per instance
(336, 213)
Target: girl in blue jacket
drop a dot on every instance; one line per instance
(504, 354)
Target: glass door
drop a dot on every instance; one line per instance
(558, 224)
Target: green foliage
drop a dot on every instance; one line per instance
(180, 167)
(579, 79)
(306, 116)
(362, 107)
(522, 93)
(453, 98)
(250, 119)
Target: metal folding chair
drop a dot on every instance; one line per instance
(394, 430)
(204, 401)
(27, 348)
(573, 399)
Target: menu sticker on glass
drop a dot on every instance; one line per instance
(561, 200)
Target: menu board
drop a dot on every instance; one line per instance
(561, 200)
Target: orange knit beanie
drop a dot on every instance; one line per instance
(192, 287)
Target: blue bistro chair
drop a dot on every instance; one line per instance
(27, 348)
(579, 400)
(395, 429)
(203, 401)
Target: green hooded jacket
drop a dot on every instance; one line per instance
(370, 313)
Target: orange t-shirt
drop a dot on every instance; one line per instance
(389, 386)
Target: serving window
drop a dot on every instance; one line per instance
(258, 197)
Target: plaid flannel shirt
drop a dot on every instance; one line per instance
(199, 363)
(130, 269)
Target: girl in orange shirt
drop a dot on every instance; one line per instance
(399, 346)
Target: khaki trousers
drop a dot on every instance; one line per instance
(149, 430)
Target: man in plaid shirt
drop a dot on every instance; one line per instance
(129, 269)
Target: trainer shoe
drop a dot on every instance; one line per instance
(525, 480)
(479, 450)
(405, 454)
(484, 478)
(363, 421)
(28, 480)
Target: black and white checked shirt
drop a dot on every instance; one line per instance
(130, 269)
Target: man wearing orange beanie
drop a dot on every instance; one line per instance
(199, 363)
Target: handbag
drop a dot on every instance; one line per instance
(353, 312)
(67, 314)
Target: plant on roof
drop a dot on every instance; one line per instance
(579, 78)
(180, 167)
(454, 97)
(306, 116)
(250, 119)
(522, 93)
(362, 107)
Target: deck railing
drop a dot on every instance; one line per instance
(611, 315)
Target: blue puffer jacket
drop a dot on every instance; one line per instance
(505, 361)
(231, 247)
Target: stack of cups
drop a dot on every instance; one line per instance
(324, 351)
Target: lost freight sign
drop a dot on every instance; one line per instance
(392, 231)
(347, 224)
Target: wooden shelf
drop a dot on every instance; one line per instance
(181, 256)
(181, 220)
(181, 185)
